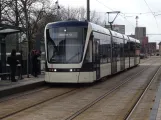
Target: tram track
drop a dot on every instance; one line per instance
(69, 92)
(19, 95)
(103, 96)
(13, 113)
(133, 108)
(38, 103)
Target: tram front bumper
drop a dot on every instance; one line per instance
(62, 77)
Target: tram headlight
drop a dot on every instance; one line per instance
(71, 70)
(55, 70)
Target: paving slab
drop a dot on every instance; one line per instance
(156, 110)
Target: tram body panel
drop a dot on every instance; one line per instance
(127, 63)
(118, 66)
(131, 61)
(86, 77)
(105, 69)
(137, 60)
(62, 77)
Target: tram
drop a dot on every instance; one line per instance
(83, 52)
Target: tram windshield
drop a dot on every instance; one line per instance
(65, 44)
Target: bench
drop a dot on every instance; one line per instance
(5, 75)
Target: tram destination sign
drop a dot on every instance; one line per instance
(66, 35)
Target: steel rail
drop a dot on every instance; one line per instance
(142, 95)
(19, 95)
(31, 106)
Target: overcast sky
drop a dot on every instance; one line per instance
(129, 8)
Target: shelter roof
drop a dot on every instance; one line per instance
(9, 29)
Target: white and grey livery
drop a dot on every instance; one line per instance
(83, 52)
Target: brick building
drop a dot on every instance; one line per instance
(152, 48)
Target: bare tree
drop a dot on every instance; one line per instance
(35, 14)
(24, 13)
(3, 7)
(79, 14)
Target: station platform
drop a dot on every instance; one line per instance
(8, 88)
(156, 110)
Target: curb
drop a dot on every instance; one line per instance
(19, 89)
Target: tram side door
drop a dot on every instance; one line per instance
(96, 53)
(114, 58)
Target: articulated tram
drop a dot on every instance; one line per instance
(83, 52)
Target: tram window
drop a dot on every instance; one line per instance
(65, 45)
(88, 57)
(122, 51)
(132, 49)
(108, 48)
(116, 49)
(104, 48)
(137, 46)
(108, 53)
(85, 33)
(103, 53)
(118, 52)
(127, 49)
(51, 50)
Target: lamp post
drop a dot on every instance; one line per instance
(88, 10)
(17, 24)
(0, 11)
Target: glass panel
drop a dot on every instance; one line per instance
(132, 49)
(65, 44)
(126, 49)
(0, 52)
(105, 50)
(88, 57)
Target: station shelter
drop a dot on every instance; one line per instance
(6, 30)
